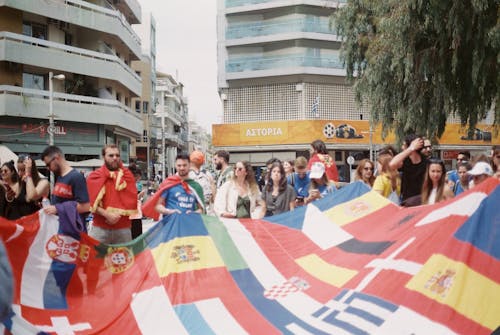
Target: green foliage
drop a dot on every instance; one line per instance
(419, 61)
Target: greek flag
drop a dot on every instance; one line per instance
(315, 106)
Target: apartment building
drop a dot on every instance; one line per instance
(144, 147)
(172, 112)
(283, 85)
(200, 139)
(73, 58)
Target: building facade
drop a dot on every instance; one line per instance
(73, 58)
(283, 85)
(171, 125)
(144, 147)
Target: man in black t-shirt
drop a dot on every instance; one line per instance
(412, 165)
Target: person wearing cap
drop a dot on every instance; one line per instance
(320, 184)
(480, 172)
(202, 176)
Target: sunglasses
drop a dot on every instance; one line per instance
(239, 168)
(50, 162)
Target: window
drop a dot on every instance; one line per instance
(138, 106)
(118, 96)
(127, 101)
(145, 106)
(35, 30)
(34, 81)
(145, 136)
(68, 38)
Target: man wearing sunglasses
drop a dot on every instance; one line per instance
(69, 185)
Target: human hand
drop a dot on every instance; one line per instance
(112, 218)
(314, 194)
(51, 210)
(417, 144)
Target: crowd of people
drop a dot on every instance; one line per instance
(113, 195)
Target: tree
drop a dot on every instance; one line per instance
(419, 61)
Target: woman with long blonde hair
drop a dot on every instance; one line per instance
(364, 172)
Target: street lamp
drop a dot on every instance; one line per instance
(51, 129)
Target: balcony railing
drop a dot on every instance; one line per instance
(85, 14)
(165, 111)
(284, 61)
(25, 102)
(25, 45)
(108, 12)
(308, 24)
(237, 3)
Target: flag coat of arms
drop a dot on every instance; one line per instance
(351, 263)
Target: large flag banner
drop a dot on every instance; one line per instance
(351, 263)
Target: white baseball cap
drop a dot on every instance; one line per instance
(481, 168)
(317, 170)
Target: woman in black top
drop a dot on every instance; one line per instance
(278, 195)
(16, 203)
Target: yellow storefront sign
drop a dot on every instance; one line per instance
(348, 132)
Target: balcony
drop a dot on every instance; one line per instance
(29, 103)
(84, 14)
(307, 24)
(272, 62)
(167, 112)
(244, 5)
(131, 8)
(46, 54)
(249, 67)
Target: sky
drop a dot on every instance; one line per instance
(186, 48)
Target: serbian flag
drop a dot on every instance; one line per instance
(351, 263)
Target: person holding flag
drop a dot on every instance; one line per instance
(113, 198)
(176, 194)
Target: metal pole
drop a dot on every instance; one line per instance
(51, 127)
(163, 145)
(371, 142)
